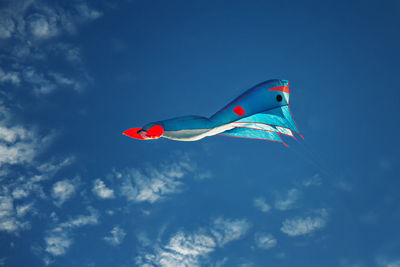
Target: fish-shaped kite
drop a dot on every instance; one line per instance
(262, 112)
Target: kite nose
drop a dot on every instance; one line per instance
(138, 133)
(133, 132)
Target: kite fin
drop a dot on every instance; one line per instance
(280, 117)
(252, 133)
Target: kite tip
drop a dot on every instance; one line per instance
(133, 132)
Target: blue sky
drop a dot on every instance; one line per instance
(75, 192)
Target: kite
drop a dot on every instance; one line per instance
(262, 112)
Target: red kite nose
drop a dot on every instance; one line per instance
(133, 133)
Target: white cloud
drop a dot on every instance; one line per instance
(32, 26)
(10, 77)
(18, 144)
(261, 204)
(314, 180)
(8, 216)
(19, 193)
(194, 245)
(101, 190)
(21, 175)
(117, 235)
(82, 220)
(88, 13)
(63, 81)
(21, 18)
(303, 226)
(7, 26)
(53, 167)
(226, 230)
(182, 250)
(62, 191)
(57, 242)
(7, 220)
(42, 26)
(46, 83)
(154, 184)
(265, 241)
(293, 195)
(188, 249)
(59, 239)
(73, 55)
(22, 210)
(23, 187)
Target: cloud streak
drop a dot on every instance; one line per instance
(116, 237)
(288, 202)
(59, 239)
(63, 190)
(27, 29)
(101, 190)
(9, 221)
(261, 204)
(304, 225)
(265, 241)
(189, 249)
(155, 183)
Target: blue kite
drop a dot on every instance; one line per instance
(262, 112)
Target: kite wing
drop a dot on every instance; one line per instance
(268, 125)
(243, 132)
(281, 116)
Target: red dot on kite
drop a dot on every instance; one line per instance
(155, 131)
(239, 110)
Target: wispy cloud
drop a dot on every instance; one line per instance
(16, 209)
(27, 29)
(24, 209)
(45, 83)
(188, 249)
(315, 180)
(386, 262)
(117, 235)
(101, 190)
(265, 241)
(59, 239)
(9, 221)
(38, 19)
(18, 144)
(24, 186)
(9, 77)
(63, 190)
(261, 204)
(155, 183)
(57, 242)
(227, 230)
(304, 225)
(289, 201)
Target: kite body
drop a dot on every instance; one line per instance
(262, 112)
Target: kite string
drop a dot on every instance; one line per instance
(312, 156)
